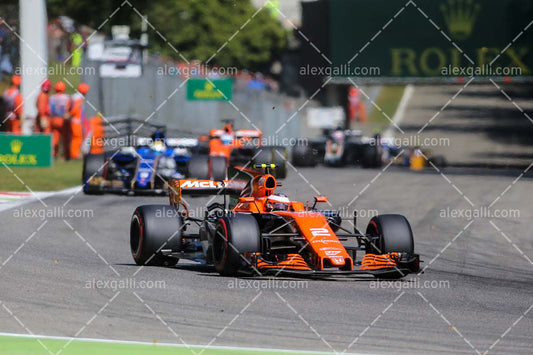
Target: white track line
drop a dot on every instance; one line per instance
(39, 195)
(400, 111)
(95, 340)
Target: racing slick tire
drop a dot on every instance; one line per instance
(198, 167)
(438, 160)
(93, 167)
(218, 167)
(303, 155)
(393, 234)
(371, 157)
(152, 228)
(235, 234)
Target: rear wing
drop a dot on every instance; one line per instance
(238, 185)
(132, 131)
(193, 187)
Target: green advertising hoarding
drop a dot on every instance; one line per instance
(432, 38)
(34, 150)
(209, 89)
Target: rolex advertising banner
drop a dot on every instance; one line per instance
(431, 39)
(35, 150)
(209, 89)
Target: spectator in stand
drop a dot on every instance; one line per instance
(257, 83)
(3, 34)
(6, 66)
(58, 41)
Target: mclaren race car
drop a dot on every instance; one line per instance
(228, 147)
(258, 231)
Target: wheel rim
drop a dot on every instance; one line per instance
(135, 236)
(377, 246)
(219, 244)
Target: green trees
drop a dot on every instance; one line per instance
(247, 38)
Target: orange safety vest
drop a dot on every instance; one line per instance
(76, 112)
(97, 135)
(43, 105)
(42, 121)
(13, 102)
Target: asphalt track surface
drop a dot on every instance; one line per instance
(484, 302)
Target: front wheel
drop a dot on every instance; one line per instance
(235, 235)
(198, 167)
(93, 170)
(218, 166)
(152, 229)
(390, 233)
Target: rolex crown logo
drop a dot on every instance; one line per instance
(16, 146)
(460, 17)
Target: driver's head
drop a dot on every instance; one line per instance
(278, 202)
(226, 138)
(158, 136)
(158, 141)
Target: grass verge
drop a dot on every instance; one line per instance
(58, 72)
(61, 175)
(388, 100)
(16, 345)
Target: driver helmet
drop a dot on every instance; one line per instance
(158, 141)
(226, 138)
(279, 202)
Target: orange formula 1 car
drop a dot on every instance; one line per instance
(228, 147)
(257, 231)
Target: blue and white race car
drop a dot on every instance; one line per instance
(143, 168)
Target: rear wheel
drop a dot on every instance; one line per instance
(234, 235)
(152, 229)
(303, 155)
(93, 168)
(198, 167)
(219, 166)
(371, 157)
(392, 233)
(439, 161)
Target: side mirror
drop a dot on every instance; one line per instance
(320, 199)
